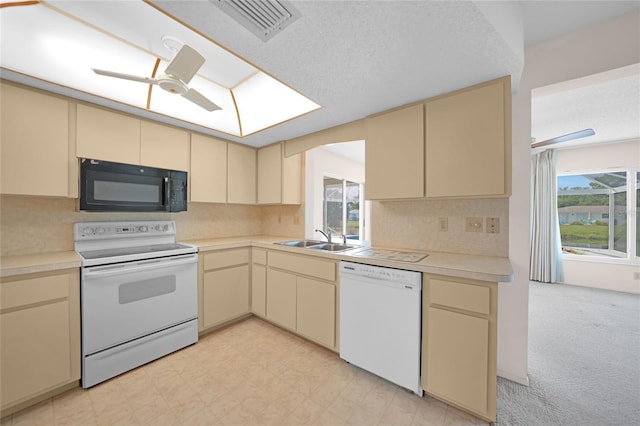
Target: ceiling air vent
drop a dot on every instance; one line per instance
(264, 18)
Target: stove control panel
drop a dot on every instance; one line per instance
(99, 230)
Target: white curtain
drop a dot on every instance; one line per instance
(545, 264)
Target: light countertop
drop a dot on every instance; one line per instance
(41, 262)
(484, 268)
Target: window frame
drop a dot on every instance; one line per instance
(632, 255)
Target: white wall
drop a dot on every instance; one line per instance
(319, 163)
(609, 45)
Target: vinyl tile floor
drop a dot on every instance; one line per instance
(250, 373)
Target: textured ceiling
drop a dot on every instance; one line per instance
(355, 58)
(608, 102)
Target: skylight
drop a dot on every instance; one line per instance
(61, 41)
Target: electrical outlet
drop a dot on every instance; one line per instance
(493, 225)
(443, 224)
(296, 220)
(636, 275)
(473, 224)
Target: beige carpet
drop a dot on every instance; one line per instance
(584, 360)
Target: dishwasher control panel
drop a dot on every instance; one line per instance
(412, 279)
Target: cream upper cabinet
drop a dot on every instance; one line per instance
(459, 343)
(208, 169)
(163, 146)
(292, 179)
(468, 140)
(241, 174)
(107, 136)
(40, 336)
(270, 174)
(279, 178)
(35, 143)
(394, 154)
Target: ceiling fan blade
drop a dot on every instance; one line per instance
(125, 76)
(185, 64)
(200, 100)
(564, 138)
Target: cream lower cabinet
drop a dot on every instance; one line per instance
(281, 298)
(40, 336)
(459, 343)
(259, 282)
(224, 289)
(302, 296)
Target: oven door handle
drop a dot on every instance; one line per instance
(144, 265)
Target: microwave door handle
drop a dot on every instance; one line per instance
(167, 193)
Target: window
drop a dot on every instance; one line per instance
(593, 212)
(341, 207)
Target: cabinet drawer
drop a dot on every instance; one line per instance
(304, 265)
(259, 256)
(226, 258)
(469, 297)
(34, 290)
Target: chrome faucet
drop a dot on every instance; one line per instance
(326, 235)
(333, 231)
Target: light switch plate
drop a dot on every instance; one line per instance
(473, 224)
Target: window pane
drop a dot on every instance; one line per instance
(332, 204)
(592, 213)
(353, 209)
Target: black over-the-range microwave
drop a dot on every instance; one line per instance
(108, 186)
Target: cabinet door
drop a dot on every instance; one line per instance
(241, 174)
(316, 310)
(208, 169)
(465, 142)
(35, 143)
(457, 358)
(163, 146)
(281, 298)
(394, 155)
(35, 350)
(226, 294)
(270, 174)
(107, 136)
(259, 290)
(292, 179)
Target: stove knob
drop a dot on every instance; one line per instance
(87, 230)
(100, 230)
(142, 229)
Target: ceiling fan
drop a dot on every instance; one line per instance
(176, 77)
(564, 138)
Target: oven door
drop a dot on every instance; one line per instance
(125, 301)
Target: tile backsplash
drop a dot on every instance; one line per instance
(40, 224)
(415, 225)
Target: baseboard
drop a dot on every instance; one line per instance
(518, 379)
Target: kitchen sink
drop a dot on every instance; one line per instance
(317, 245)
(300, 243)
(332, 247)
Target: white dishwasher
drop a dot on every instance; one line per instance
(380, 321)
